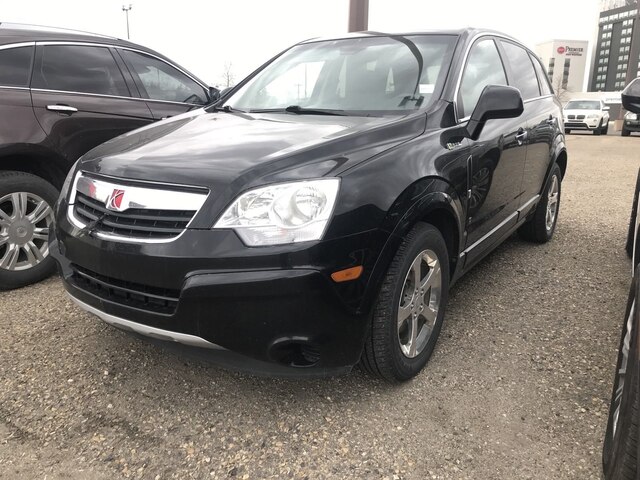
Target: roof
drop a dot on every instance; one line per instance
(469, 32)
(15, 32)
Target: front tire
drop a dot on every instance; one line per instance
(620, 450)
(567, 131)
(26, 215)
(625, 133)
(541, 226)
(409, 311)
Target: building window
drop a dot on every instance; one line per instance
(565, 74)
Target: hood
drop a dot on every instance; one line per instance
(225, 149)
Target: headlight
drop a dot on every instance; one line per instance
(282, 213)
(631, 116)
(592, 116)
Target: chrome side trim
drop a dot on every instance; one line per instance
(9, 87)
(17, 45)
(526, 205)
(636, 237)
(139, 99)
(146, 330)
(490, 233)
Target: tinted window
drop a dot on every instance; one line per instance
(15, 66)
(483, 68)
(545, 87)
(79, 69)
(523, 76)
(161, 81)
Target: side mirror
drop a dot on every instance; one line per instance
(214, 94)
(496, 101)
(225, 91)
(606, 109)
(631, 96)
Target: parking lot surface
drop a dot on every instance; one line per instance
(518, 387)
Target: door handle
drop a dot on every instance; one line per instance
(551, 120)
(521, 136)
(62, 109)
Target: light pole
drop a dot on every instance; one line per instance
(358, 15)
(126, 10)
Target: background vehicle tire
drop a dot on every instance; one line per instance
(541, 226)
(625, 133)
(410, 308)
(598, 130)
(631, 235)
(26, 214)
(605, 130)
(567, 131)
(620, 450)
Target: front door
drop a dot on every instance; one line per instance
(81, 99)
(497, 157)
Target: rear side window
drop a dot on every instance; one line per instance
(545, 87)
(484, 67)
(522, 73)
(80, 69)
(15, 66)
(161, 81)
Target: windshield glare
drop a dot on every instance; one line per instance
(372, 74)
(582, 105)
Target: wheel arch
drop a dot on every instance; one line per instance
(36, 160)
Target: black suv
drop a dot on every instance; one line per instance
(61, 94)
(317, 215)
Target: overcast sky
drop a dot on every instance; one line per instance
(205, 35)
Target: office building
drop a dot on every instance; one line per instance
(566, 63)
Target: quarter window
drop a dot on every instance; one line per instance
(161, 81)
(484, 67)
(81, 69)
(524, 77)
(15, 66)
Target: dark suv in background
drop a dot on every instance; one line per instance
(61, 94)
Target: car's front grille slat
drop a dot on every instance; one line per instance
(133, 223)
(144, 297)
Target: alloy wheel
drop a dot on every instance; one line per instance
(552, 202)
(419, 303)
(25, 219)
(621, 373)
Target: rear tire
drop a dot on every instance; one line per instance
(392, 351)
(631, 235)
(620, 450)
(26, 215)
(540, 227)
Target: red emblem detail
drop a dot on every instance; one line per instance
(114, 202)
(561, 50)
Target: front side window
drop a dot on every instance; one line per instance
(81, 69)
(161, 81)
(15, 66)
(372, 74)
(524, 77)
(484, 67)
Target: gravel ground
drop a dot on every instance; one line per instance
(518, 386)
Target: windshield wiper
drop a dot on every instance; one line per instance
(227, 109)
(301, 110)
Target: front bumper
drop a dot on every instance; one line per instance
(582, 124)
(206, 289)
(632, 125)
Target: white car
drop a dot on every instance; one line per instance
(591, 115)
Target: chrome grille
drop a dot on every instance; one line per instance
(133, 212)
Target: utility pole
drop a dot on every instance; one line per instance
(126, 10)
(358, 15)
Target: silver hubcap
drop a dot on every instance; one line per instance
(552, 202)
(25, 219)
(626, 343)
(419, 303)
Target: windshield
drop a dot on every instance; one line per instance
(582, 105)
(358, 76)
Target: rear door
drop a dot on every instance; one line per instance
(169, 90)
(497, 157)
(80, 97)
